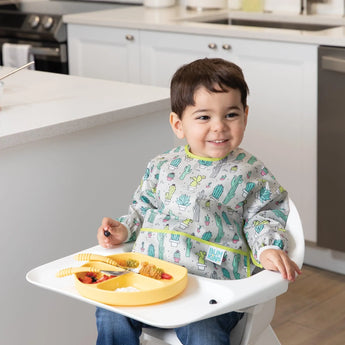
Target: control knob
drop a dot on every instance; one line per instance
(34, 21)
(47, 22)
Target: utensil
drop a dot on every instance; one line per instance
(17, 70)
(72, 270)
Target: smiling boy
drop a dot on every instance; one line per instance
(209, 206)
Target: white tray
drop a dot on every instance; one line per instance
(191, 305)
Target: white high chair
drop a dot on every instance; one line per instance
(254, 328)
(255, 296)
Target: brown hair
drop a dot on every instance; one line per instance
(216, 75)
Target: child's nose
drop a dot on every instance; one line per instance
(218, 125)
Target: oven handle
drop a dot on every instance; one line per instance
(45, 51)
(333, 64)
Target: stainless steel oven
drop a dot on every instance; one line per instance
(40, 25)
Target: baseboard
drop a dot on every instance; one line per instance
(324, 258)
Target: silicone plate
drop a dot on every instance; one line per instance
(149, 290)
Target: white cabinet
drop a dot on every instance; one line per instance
(104, 53)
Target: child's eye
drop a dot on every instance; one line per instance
(231, 115)
(203, 117)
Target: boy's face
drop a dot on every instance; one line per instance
(215, 125)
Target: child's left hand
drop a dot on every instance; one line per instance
(277, 260)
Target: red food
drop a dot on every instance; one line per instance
(166, 276)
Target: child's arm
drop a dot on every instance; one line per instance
(117, 233)
(278, 260)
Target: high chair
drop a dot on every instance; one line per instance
(255, 296)
(254, 328)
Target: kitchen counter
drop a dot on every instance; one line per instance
(37, 105)
(179, 19)
(72, 151)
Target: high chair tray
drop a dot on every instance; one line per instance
(200, 299)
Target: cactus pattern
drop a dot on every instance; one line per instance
(170, 193)
(147, 174)
(201, 254)
(252, 160)
(280, 214)
(220, 228)
(205, 163)
(161, 245)
(196, 180)
(151, 250)
(175, 163)
(226, 273)
(175, 237)
(189, 247)
(152, 216)
(225, 217)
(235, 264)
(235, 182)
(217, 191)
(207, 236)
(145, 199)
(249, 186)
(265, 194)
(187, 170)
(159, 165)
(240, 157)
(183, 200)
(278, 243)
(259, 225)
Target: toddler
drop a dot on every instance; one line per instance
(210, 206)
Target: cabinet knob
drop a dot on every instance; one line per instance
(226, 46)
(212, 46)
(129, 37)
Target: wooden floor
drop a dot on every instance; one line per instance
(312, 312)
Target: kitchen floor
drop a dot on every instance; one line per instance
(312, 312)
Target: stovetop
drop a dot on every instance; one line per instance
(42, 20)
(56, 7)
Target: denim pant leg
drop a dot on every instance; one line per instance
(215, 330)
(116, 329)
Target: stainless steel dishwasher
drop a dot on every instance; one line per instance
(331, 148)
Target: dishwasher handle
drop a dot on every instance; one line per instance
(333, 64)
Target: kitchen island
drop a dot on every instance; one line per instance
(72, 150)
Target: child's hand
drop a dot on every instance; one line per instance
(111, 233)
(277, 260)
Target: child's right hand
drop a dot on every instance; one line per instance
(111, 233)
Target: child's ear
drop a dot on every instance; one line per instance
(246, 115)
(176, 125)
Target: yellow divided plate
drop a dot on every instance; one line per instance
(147, 290)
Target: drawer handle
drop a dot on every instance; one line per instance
(129, 37)
(226, 46)
(212, 46)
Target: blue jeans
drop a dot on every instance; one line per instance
(116, 329)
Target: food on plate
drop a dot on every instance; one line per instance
(152, 271)
(127, 263)
(127, 289)
(91, 278)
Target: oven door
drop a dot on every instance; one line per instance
(49, 56)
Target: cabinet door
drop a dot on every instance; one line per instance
(163, 52)
(105, 53)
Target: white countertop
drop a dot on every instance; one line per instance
(177, 19)
(37, 105)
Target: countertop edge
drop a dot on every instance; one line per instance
(80, 124)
